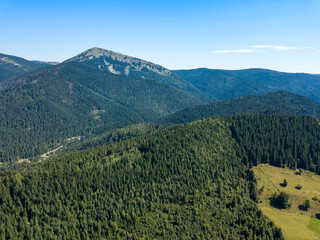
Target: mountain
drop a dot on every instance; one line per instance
(187, 182)
(225, 84)
(11, 66)
(280, 102)
(207, 84)
(117, 63)
(150, 98)
(41, 108)
(120, 64)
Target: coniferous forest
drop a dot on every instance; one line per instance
(155, 157)
(189, 181)
(186, 182)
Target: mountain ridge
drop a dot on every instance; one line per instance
(72, 99)
(11, 66)
(219, 84)
(280, 102)
(203, 83)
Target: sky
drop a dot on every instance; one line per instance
(223, 34)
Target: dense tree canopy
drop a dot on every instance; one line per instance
(186, 182)
(280, 102)
(278, 140)
(42, 108)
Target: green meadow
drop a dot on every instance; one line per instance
(295, 223)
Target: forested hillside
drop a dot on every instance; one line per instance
(225, 84)
(280, 102)
(44, 107)
(117, 134)
(150, 98)
(11, 66)
(186, 182)
(130, 178)
(278, 140)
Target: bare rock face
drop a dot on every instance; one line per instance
(117, 63)
(7, 60)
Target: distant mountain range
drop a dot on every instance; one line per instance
(11, 66)
(204, 84)
(280, 102)
(147, 180)
(42, 103)
(225, 84)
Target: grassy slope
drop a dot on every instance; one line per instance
(294, 223)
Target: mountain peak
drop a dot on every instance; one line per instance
(118, 63)
(96, 52)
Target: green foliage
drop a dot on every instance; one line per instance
(46, 106)
(284, 183)
(225, 84)
(280, 200)
(305, 206)
(115, 135)
(298, 187)
(186, 182)
(11, 66)
(280, 102)
(150, 98)
(278, 140)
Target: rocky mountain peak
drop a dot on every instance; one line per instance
(118, 63)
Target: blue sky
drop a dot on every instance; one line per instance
(277, 34)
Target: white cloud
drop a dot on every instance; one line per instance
(238, 51)
(275, 47)
(261, 48)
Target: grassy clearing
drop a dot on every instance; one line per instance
(314, 226)
(295, 224)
